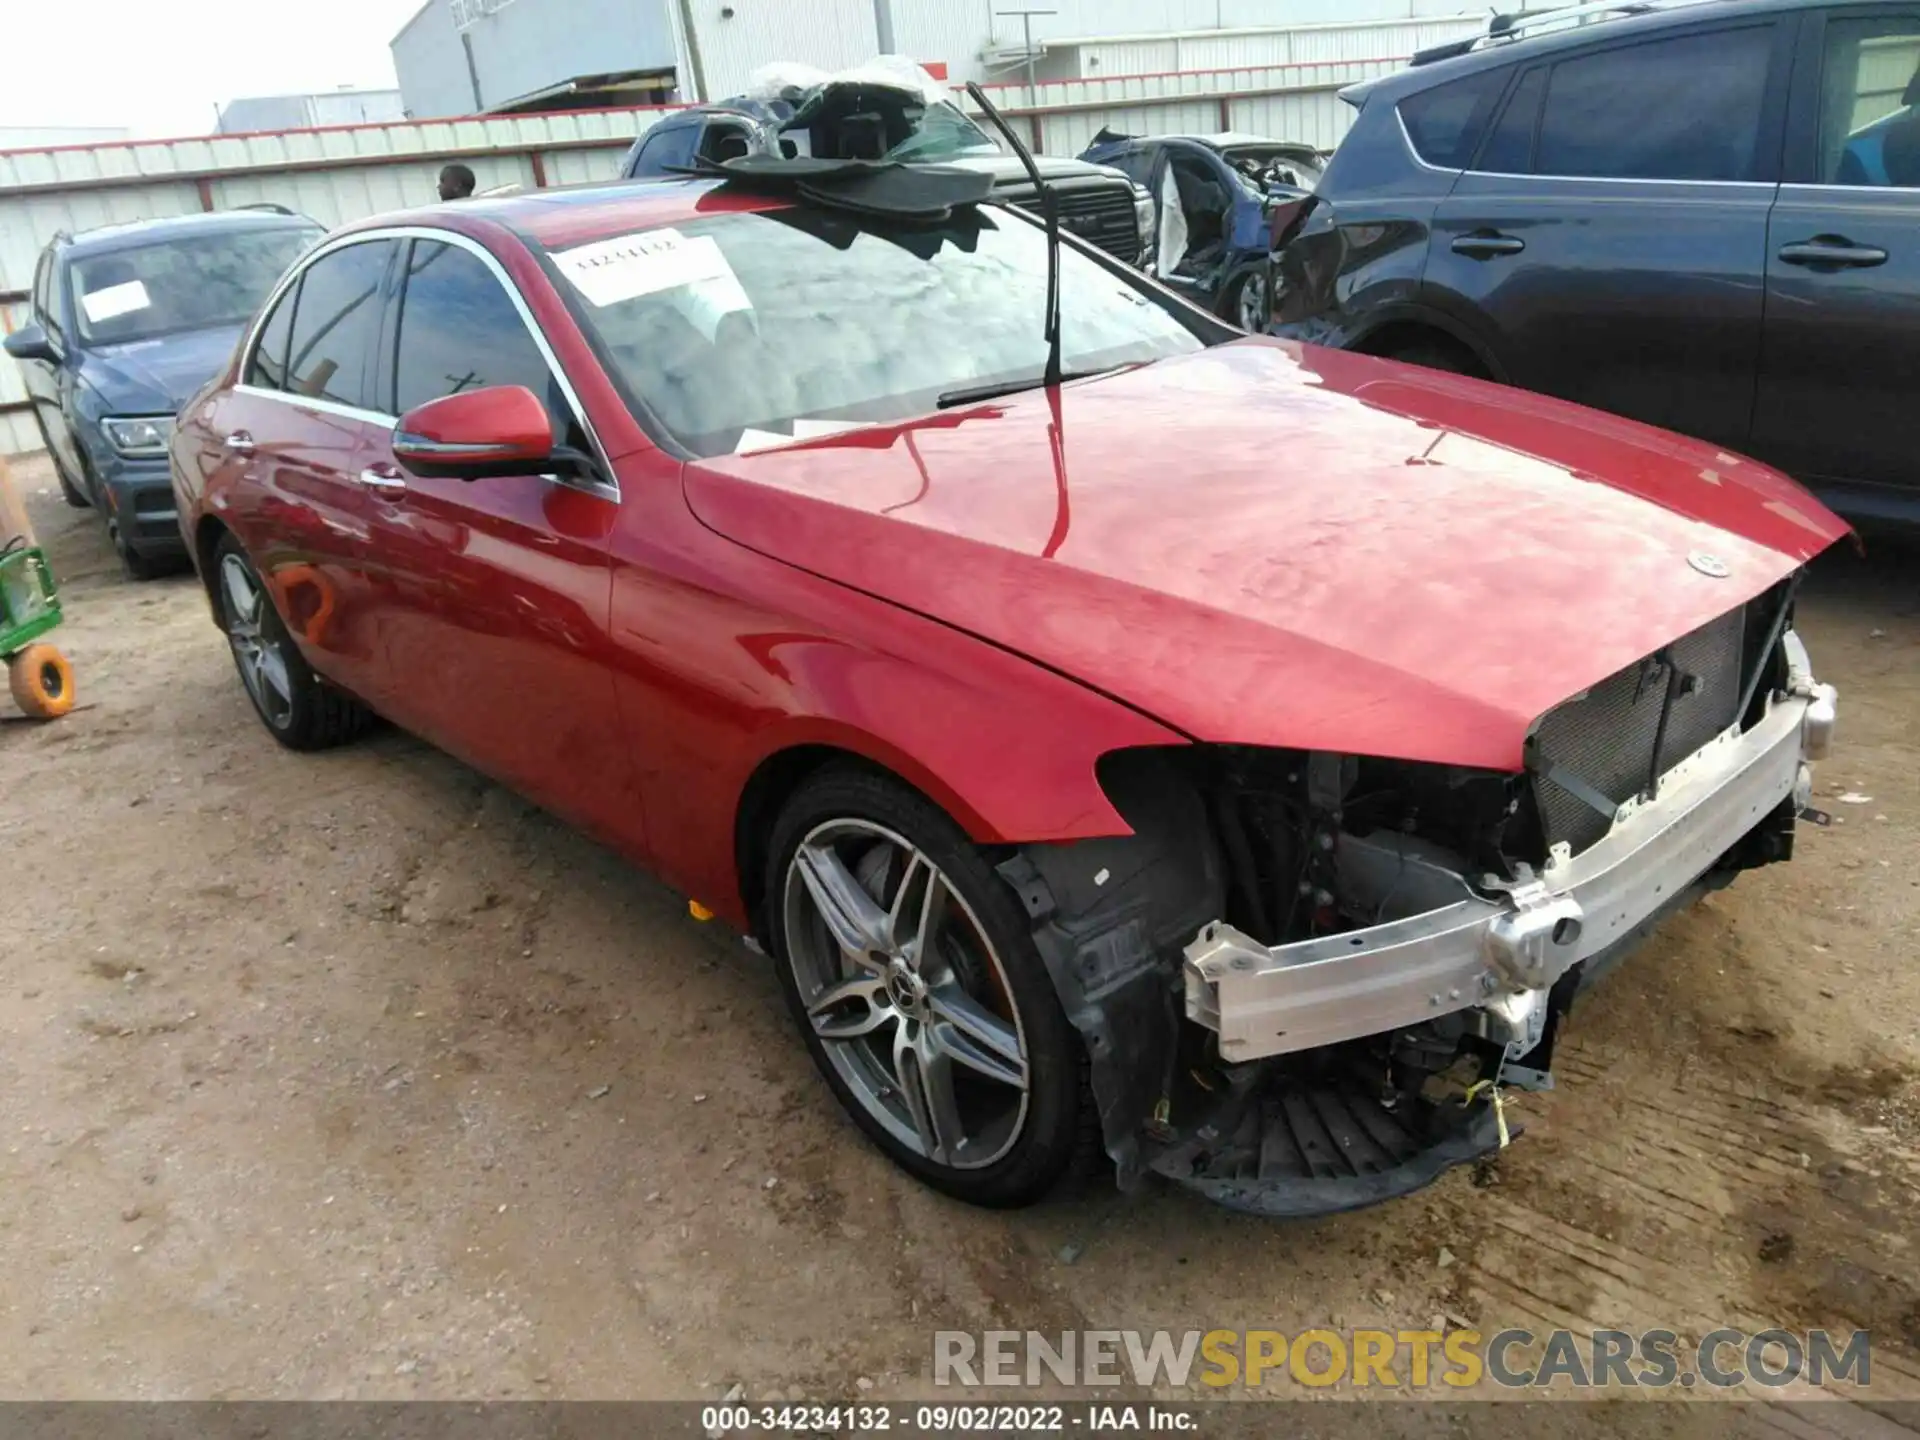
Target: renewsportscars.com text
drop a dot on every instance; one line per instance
(1361, 1359)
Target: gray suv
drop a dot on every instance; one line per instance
(1705, 216)
(127, 321)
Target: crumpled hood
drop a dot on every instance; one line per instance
(1272, 544)
(151, 377)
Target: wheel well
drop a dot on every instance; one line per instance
(765, 792)
(206, 539)
(1403, 336)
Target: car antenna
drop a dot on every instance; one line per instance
(1050, 212)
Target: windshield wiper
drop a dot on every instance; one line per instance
(1050, 212)
(994, 389)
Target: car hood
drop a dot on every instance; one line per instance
(158, 375)
(1272, 544)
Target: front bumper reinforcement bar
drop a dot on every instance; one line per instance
(1504, 939)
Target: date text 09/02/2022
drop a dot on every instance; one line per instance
(948, 1419)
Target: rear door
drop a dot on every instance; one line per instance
(297, 431)
(1842, 345)
(1608, 241)
(503, 584)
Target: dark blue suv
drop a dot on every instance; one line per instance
(127, 321)
(1706, 217)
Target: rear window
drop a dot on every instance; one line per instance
(1681, 109)
(1446, 122)
(1509, 149)
(740, 331)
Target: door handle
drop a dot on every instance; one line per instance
(1834, 250)
(1486, 244)
(383, 481)
(239, 442)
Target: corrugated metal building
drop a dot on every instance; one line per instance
(307, 112)
(458, 56)
(341, 173)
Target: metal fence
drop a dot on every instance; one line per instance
(346, 173)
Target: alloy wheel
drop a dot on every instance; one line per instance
(257, 652)
(906, 994)
(1256, 312)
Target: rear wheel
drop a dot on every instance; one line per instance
(914, 978)
(1438, 353)
(300, 710)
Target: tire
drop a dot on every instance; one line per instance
(41, 681)
(855, 834)
(136, 566)
(70, 490)
(1444, 355)
(299, 709)
(1245, 299)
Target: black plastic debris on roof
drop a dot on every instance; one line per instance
(868, 187)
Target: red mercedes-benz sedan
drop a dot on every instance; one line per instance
(1233, 758)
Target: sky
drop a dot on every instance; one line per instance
(160, 67)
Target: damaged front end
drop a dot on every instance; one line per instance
(1306, 978)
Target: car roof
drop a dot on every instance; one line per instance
(1220, 140)
(577, 214)
(1232, 139)
(129, 234)
(1417, 78)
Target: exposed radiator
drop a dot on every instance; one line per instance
(1605, 737)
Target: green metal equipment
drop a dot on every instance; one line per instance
(37, 673)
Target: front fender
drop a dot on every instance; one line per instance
(807, 668)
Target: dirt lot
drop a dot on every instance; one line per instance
(353, 1075)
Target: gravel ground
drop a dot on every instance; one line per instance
(353, 1075)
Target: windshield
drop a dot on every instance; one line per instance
(745, 330)
(943, 132)
(1259, 166)
(193, 283)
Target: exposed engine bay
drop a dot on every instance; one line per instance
(1306, 980)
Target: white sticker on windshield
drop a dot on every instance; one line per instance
(610, 271)
(115, 300)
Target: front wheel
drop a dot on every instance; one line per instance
(1249, 303)
(914, 978)
(70, 490)
(300, 710)
(136, 566)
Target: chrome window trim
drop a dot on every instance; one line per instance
(308, 402)
(608, 486)
(1414, 151)
(1826, 187)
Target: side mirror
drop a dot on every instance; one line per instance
(30, 342)
(501, 430)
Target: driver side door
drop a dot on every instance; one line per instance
(501, 587)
